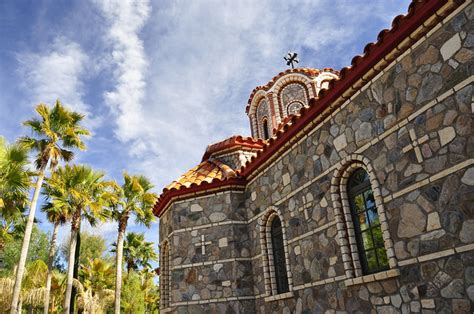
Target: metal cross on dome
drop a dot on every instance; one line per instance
(291, 58)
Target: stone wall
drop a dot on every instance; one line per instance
(420, 149)
(412, 129)
(210, 255)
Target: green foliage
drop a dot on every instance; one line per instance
(97, 274)
(14, 188)
(94, 290)
(140, 294)
(14, 179)
(38, 249)
(132, 294)
(92, 247)
(137, 252)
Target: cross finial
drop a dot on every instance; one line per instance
(291, 58)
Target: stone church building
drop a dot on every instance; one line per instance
(355, 192)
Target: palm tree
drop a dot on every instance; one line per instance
(84, 193)
(57, 213)
(135, 198)
(57, 130)
(95, 294)
(14, 186)
(137, 252)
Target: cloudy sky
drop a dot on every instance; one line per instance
(159, 80)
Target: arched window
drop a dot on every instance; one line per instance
(293, 97)
(368, 231)
(266, 136)
(262, 115)
(279, 260)
(294, 108)
(165, 276)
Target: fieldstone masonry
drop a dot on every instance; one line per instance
(411, 128)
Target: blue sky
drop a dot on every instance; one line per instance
(159, 80)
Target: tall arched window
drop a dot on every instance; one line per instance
(368, 231)
(279, 260)
(266, 136)
(165, 276)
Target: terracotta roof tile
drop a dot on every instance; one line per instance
(232, 143)
(208, 171)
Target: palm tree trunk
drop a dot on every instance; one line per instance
(118, 264)
(52, 252)
(26, 243)
(70, 265)
(75, 274)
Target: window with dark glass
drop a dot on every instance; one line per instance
(265, 130)
(281, 276)
(366, 223)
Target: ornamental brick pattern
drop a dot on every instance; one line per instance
(410, 126)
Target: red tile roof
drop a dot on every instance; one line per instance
(206, 171)
(290, 129)
(233, 143)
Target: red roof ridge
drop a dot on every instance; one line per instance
(231, 142)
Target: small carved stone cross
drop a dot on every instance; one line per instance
(203, 244)
(304, 209)
(415, 145)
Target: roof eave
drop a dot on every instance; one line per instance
(196, 190)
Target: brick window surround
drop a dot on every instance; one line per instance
(342, 212)
(265, 223)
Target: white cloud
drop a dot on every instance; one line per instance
(57, 73)
(205, 57)
(125, 20)
(182, 73)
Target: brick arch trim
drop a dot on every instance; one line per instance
(342, 213)
(165, 273)
(306, 83)
(265, 223)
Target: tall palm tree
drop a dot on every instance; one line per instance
(84, 193)
(135, 198)
(57, 130)
(14, 186)
(57, 213)
(137, 252)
